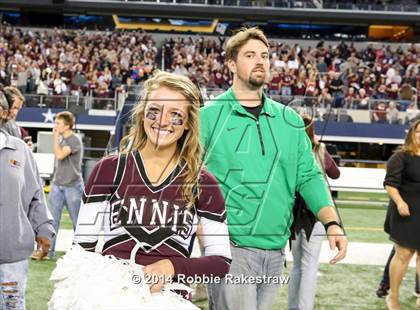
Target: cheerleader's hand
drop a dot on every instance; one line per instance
(157, 274)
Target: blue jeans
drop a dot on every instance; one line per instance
(60, 196)
(13, 278)
(303, 278)
(248, 262)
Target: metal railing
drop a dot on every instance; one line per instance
(133, 92)
(335, 102)
(338, 109)
(69, 102)
(342, 103)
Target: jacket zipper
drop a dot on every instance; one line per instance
(260, 136)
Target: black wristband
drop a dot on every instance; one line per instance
(331, 223)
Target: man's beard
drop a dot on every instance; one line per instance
(256, 83)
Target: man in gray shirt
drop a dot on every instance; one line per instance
(67, 187)
(24, 216)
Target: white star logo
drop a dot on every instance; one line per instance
(49, 116)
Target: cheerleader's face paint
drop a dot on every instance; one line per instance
(165, 117)
(176, 119)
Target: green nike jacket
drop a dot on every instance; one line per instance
(260, 164)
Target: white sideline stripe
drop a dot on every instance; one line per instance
(358, 253)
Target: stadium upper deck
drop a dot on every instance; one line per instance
(362, 5)
(386, 12)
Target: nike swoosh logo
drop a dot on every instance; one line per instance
(230, 129)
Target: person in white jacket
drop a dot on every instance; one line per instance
(24, 216)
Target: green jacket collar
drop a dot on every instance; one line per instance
(236, 106)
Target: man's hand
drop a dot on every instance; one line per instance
(161, 270)
(56, 135)
(338, 240)
(44, 245)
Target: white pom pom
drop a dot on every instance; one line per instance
(86, 280)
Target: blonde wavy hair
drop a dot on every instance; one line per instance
(410, 145)
(189, 147)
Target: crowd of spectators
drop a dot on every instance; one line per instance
(347, 77)
(338, 76)
(202, 60)
(376, 78)
(67, 62)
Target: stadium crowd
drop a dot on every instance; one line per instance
(66, 62)
(78, 62)
(341, 76)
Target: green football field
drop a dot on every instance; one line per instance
(339, 287)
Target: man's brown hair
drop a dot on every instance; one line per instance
(240, 38)
(67, 117)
